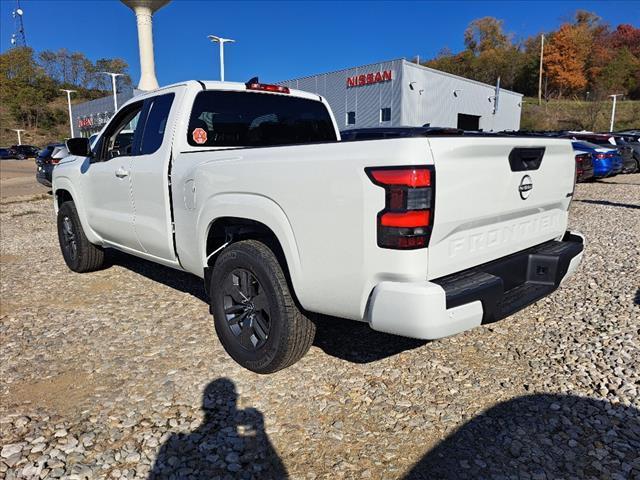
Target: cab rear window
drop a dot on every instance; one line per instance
(251, 119)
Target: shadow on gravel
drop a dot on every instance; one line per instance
(356, 342)
(364, 345)
(619, 183)
(230, 443)
(636, 299)
(182, 281)
(540, 436)
(610, 204)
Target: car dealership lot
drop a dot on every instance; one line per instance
(104, 375)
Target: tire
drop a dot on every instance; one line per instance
(79, 254)
(254, 313)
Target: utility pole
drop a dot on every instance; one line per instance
(540, 74)
(18, 130)
(221, 41)
(69, 92)
(113, 86)
(613, 109)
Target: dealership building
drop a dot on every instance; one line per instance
(400, 93)
(393, 93)
(89, 117)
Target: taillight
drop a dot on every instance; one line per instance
(407, 218)
(55, 161)
(267, 87)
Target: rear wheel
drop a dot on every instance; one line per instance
(79, 254)
(255, 315)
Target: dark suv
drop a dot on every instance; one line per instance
(25, 151)
(48, 158)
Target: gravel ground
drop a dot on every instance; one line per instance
(118, 374)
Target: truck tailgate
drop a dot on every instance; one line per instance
(495, 196)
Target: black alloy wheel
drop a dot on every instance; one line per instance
(246, 309)
(69, 244)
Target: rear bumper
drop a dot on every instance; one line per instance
(483, 294)
(585, 175)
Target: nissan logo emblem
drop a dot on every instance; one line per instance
(525, 187)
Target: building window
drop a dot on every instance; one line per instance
(351, 118)
(385, 114)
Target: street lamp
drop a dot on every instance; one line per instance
(221, 41)
(113, 85)
(613, 109)
(69, 92)
(18, 130)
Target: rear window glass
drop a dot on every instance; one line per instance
(247, 119)
(46, 151)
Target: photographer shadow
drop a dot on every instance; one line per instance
(228, 443)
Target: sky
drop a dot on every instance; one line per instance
(281, 40)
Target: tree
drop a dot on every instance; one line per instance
(101, 81)
(627, 36)
(484, 34)
(620, 75)
(565, 59)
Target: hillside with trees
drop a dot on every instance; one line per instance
(584, 59)
(30, 96)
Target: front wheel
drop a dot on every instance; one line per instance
(255, 315)
(79, 254)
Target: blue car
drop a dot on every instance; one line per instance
(606, 161)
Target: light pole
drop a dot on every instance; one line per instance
(613, 109)
(18, 130)
(221, 41)
(113, 86)
(69, 92)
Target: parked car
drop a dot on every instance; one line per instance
(25, 151)
(584, 166)
(608, 140)
(631, 142)
(7, 154)
(607, 162)
(249, 187)
(47, 159)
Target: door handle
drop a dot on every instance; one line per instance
(121, 173)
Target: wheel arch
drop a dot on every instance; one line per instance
(63, 191)
(235, 217)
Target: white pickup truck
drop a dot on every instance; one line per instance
(249, 187)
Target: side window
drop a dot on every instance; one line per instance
(385, 114)
(117, 140)
(156, 123)
(351, 118)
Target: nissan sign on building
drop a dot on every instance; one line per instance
(401, 93)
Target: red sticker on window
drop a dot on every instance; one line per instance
(199, 136)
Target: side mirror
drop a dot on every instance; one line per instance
(79, 146)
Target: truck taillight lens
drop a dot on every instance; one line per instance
(405, 222)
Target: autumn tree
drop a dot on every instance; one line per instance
(627, 36)
(565, 59)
